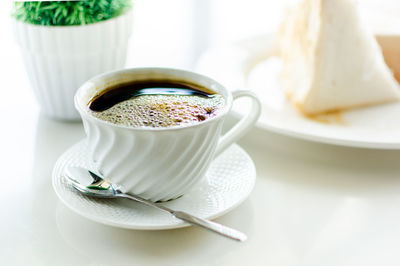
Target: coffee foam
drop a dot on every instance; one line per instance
(160, 111)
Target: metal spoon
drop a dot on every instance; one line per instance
(92, 184)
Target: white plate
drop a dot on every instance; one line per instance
(254, 64)
(227, 183)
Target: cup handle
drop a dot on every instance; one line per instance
(244, 124)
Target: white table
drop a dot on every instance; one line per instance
(313, 204)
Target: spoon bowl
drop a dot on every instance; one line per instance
(90, 183)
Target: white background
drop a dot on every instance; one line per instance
(175, 33)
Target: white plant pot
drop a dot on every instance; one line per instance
(59, 59)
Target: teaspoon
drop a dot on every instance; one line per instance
(92, 184)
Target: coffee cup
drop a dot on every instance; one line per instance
(164, 163)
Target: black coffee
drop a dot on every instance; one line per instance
(156, 103)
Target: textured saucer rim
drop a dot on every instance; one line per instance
(179, 224)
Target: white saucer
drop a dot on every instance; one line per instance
(254, 64)
(228, 182)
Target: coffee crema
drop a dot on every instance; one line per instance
(156, 103)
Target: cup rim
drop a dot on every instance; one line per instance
(85, 114)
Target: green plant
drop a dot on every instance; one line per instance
(68, 13)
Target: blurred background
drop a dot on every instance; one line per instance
(175, 33)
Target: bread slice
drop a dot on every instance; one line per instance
(390, 45)
(330, 59)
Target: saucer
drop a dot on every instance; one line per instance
(227, 183)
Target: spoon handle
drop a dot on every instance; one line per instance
(211, 226)
(206, 224)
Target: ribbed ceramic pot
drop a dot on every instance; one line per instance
(59, 59)
(158, 163)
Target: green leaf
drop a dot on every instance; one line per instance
(67, 13)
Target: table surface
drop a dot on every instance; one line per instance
(313, 204)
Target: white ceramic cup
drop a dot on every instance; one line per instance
(158, 163)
